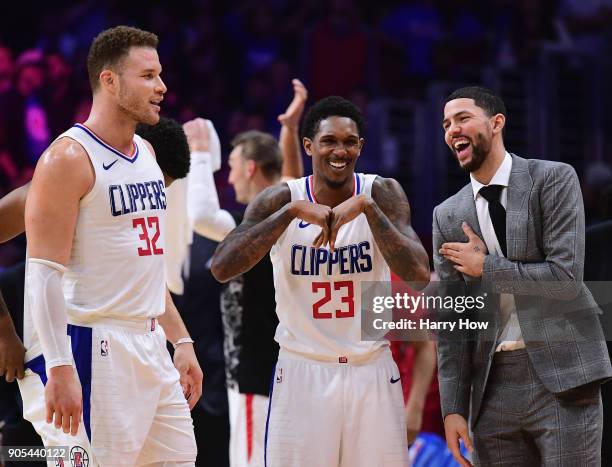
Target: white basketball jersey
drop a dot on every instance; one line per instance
(318, 293)
(116, 268)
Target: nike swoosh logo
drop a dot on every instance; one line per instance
(393, 381)
(303, 225)
(106, 167)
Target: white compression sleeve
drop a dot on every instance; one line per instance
(48, 310)
(205, 214)
(214, 146)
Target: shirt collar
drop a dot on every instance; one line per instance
(501, 177)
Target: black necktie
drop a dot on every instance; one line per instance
(497, 212)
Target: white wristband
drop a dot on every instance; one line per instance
(183, 340)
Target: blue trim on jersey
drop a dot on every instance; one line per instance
(110, 148)
(37, 365)
(358, 182)
(307, 179)
(269, 410)
(81, 350)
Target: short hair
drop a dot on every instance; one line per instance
(484, 98)
(170, 145)
(263, 149)
(332, 106)
(111, 46)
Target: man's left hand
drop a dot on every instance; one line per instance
(198, 135)
(468, 257)
(12, 351)
(190, 372)
(342, 214)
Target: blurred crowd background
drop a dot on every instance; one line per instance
(232, 62)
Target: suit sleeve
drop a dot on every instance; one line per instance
(560, 275)
(454, 351)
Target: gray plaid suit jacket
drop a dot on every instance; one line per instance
(543, 268)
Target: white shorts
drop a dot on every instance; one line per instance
(330, 414)
(134, 411)
(248, 413)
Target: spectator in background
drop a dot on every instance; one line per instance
(32, 113)
(252, 31)
(586, 25)
(336, 52)
(463, 35)
(60, 94)
(416, 26)
(6, 70)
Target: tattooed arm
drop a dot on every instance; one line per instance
(265, 219)
(388, 213)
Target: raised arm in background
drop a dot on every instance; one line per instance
(204, 211)
(289, 139)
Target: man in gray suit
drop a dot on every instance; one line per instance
(530, 386)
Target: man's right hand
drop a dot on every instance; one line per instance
(12, 350)
(456, 428)
(197, 134)
(64, 399)
(314, 213)
(291, 117)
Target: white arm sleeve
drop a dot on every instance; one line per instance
(205, 214)
(214, 146)
(48, 310)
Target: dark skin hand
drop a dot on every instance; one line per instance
(388, 214)
(12, 351)
(269, 214)
(265, 219)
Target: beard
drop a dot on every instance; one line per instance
(480, 151)
(135, 109)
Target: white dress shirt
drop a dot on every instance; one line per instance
(511, 337)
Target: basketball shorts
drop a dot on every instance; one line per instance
(248, 414)
(330, 414)
(134, 410)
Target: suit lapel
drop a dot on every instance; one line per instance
(517, 211)
(466, 212)
(469, 212)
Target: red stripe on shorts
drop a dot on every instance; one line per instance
(249, 425)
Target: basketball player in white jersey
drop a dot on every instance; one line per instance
(334, 399)
(97, 311)
(172, 154)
